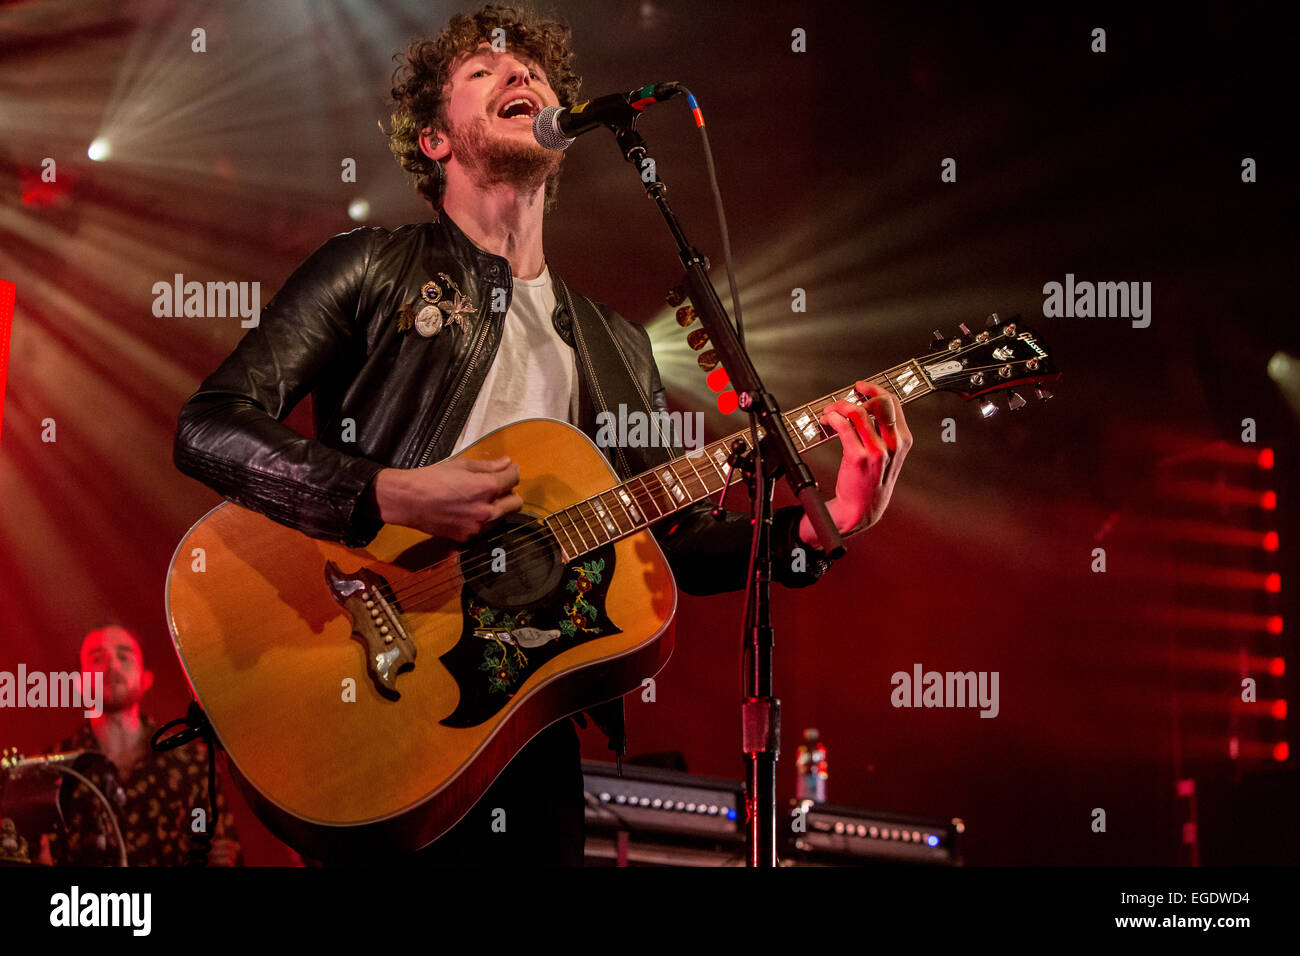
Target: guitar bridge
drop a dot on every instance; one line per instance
(376, 622)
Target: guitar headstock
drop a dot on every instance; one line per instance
(10, 757)
(1003, 357)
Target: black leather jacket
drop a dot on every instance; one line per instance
(332, 331)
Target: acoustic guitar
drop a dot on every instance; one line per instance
(366, 698)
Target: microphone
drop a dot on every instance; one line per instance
(556, 127)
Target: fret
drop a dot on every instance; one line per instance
(568, 553)
(583, 530)
(672, 484)
(717, 455)
(662, 499)
(905, 379)
(818, 408)
(583, 526)
(806, 426)
(651, 495)
(694, 473)
(667, 488)
(703, 484)
(594, 529)
(608, 519)
(794, 432)
(624, 498)
(606, 516)
(572, 514)
(925, 387)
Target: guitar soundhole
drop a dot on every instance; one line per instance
(514, 565)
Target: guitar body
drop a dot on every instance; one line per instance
(343, 758)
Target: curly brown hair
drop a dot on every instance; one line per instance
(425, 66)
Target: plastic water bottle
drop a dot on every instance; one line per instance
(810, 766)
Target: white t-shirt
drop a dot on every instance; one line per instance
(534, 373)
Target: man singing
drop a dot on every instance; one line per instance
(431, 335)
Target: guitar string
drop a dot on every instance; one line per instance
(435, 588)
(472, 573)
(640, 497)
(429, 589)
(643, 496)
(420, 592)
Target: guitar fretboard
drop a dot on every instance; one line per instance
(647, 498)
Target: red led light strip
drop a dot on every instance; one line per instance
(8, 292)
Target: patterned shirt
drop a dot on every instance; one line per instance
(154, 803)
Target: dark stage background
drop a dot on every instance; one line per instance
(1122, 165)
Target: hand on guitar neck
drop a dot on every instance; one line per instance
(876, 439)
(453, 499)
(459, 498)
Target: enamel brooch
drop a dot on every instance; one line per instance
(441, 303)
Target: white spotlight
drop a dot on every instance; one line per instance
(99, 149)
(1281, 367)
(359, 210)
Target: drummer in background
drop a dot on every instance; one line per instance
(154, 793)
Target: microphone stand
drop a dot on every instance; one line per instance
(760, 708)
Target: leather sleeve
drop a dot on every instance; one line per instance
(710, 556)
(230, 435)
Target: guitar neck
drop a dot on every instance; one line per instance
(653, 495)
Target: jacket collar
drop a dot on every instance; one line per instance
(489, 267)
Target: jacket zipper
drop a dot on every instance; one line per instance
(464, 380)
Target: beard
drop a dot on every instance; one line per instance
(120, 694)
(495, 162)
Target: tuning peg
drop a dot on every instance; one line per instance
(1015, 402)
(992, 320)
(1042, 393)
(964, 330)
(987, 408)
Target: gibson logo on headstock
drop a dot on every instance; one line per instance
(1028, 339)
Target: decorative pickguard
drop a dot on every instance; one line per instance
(500, 649)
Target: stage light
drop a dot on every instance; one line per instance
(359, 210)
(1281, 752)
(1281, 366)
(1217, 493)
(1221, 577)
(99, 149)
(932, 840)
(1270, 541)
(1278, 710)
(1277, 666)
(1275, 624)
(1265, 459)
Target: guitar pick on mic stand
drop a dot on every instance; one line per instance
(774, 456)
